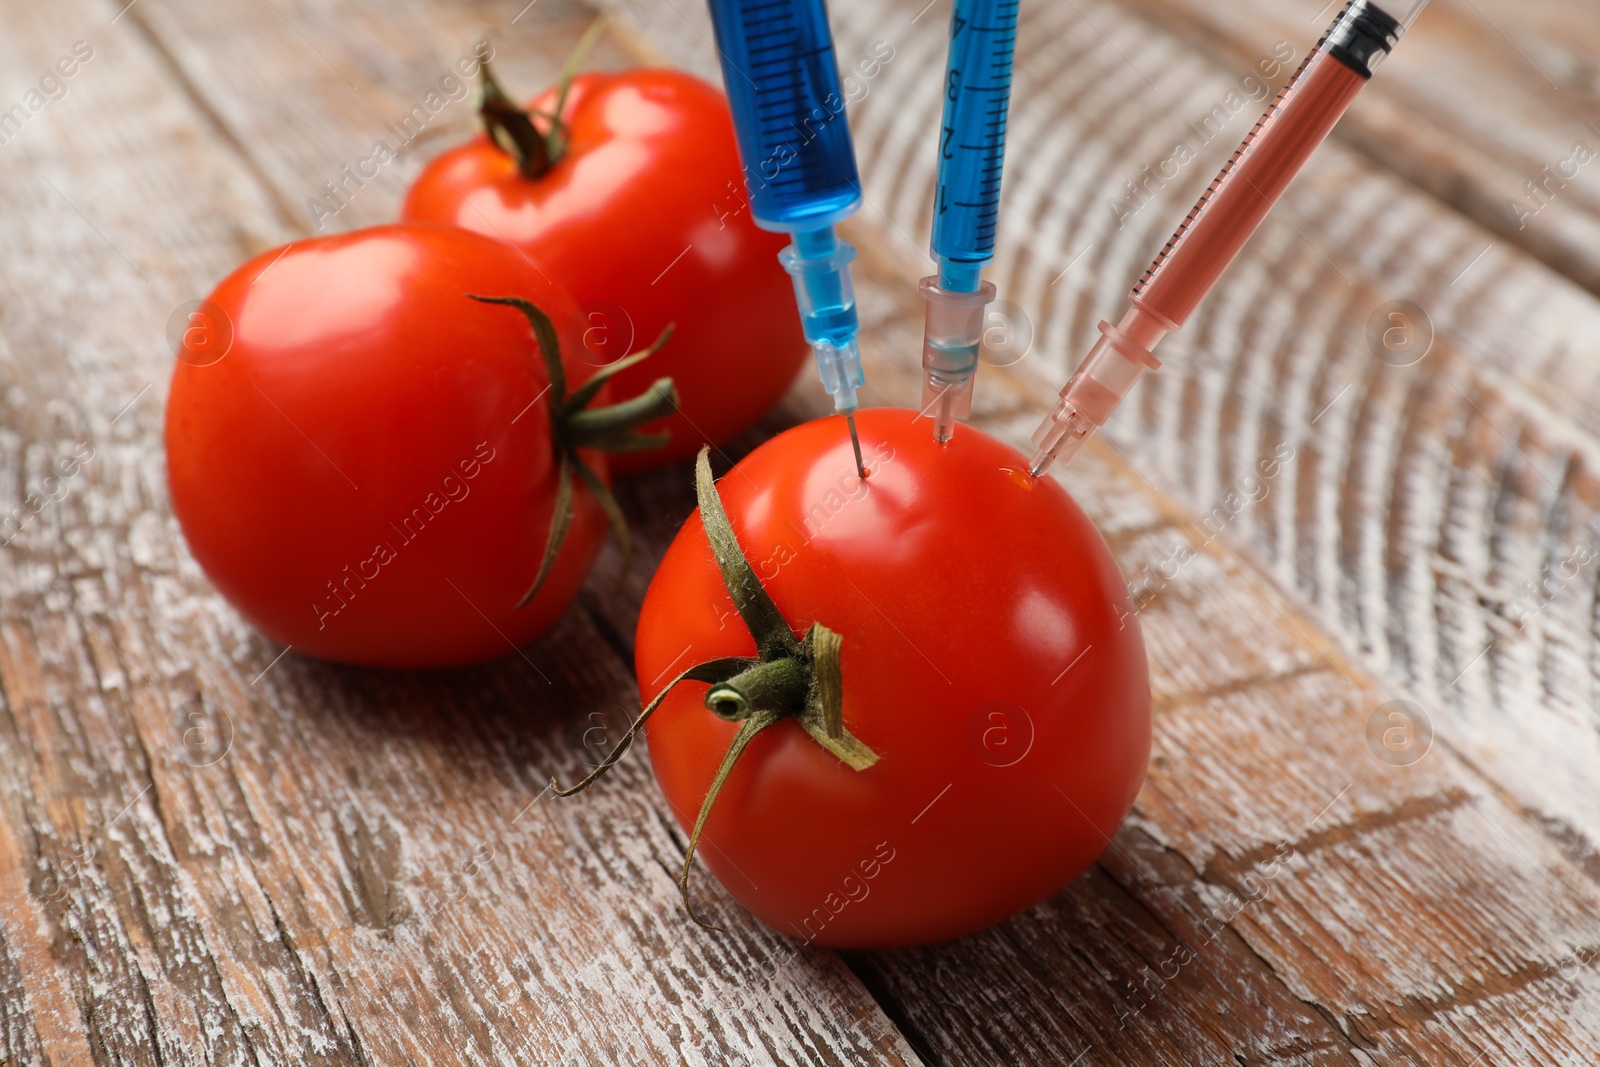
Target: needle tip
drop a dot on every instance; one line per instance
(855, 445)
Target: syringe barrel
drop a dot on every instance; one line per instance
(782, 80)
(1272, 153)
(972, 132)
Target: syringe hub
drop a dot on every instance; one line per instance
(1109, 372)
(839, 367)
(951, 342)
(819, 264)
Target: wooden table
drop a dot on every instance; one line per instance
(360, 867)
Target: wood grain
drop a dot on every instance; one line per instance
(370, 873)
(1417, 501)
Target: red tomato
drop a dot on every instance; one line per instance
(643, 220)
(368, 474)
(991, 659)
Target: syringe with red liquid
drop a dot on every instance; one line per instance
(1228, 212)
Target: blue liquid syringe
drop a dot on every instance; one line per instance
(782, 81)
(966, 208)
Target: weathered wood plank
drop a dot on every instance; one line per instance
(278, 904)
(1396, 482)
(366, 871)
(1252, 745)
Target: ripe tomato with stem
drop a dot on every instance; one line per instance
(627, 186)
(893, 710)
(398, 459)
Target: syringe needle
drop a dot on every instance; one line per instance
(944, 418)
(855, 445)
(1069, 432)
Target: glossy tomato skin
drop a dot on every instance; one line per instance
(366, 474)
(991, 658)
(644, 221)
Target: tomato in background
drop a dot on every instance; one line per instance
(643, 219)
(991, 659)
(368, 473)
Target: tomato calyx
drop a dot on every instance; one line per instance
(574, 425)
(799, 678)
(511, 127)
(788, 678)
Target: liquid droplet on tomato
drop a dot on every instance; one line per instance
(1021, 478)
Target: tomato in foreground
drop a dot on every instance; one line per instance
(369, 472)
(988, 656)
(641, 215)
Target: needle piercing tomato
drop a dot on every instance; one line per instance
(635, 203)
(898, 709)
(381, 465)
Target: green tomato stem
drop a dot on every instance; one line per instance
(794, 678)
(511, 126)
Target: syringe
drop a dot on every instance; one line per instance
(799, 167)
(966, 206)
(1228, 212)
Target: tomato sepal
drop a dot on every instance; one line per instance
(790, 678)
(758, 720)
(575, 425)
(560, 522)
(612, 427)
(586, 392)
(711, 671)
